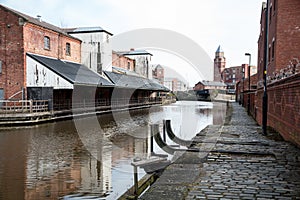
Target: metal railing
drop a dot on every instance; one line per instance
(104, 103)
(23, 106)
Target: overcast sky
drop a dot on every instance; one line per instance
(233, 24)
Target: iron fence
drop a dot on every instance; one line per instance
(23, 106)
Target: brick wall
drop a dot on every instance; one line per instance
(284, 43)
(261, 42)
(34, 43)
(75, 44)
(283, 107)
(283, 37)
(11, 54)
(122, 62)
(18, 37)
(288, 32)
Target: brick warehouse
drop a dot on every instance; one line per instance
(20, 34)
(45, 68)
(284, 37)
(283, 78)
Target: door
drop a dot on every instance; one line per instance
(1, 96)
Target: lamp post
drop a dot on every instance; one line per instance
(243, 88)
(248, 104)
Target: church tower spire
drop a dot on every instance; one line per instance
(219, 64)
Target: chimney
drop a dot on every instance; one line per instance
(39, 17)
(132, 49)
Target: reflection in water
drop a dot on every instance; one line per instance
(56, 160)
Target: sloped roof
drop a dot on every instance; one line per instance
(38, 22)
(219, 50)
(134, 82)
(75, 73)
(213, 83)
(134, 53)
(124, 71)
(86, 30)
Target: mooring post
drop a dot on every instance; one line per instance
(151, 138)
(164, 130)
(136, 187)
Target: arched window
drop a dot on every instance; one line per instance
(68, 49)
(47, 43)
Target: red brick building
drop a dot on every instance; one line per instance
(121, 61)
(235, 74)
(283, 70)
(209, 85)
(219, 64)
(158, 73)
(21, 34)
(283, 37)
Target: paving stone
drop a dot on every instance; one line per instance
(214, 196)
(271, 171)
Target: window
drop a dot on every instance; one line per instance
(68, 49)
(273, 49)
(274, 5)
(270, 14)
(1, 93)
(269, 54)
(0, 66)
(47, 43)
(128, 65)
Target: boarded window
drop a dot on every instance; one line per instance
(1, 94)
(270, 17)
(47, 43)
(68, 49)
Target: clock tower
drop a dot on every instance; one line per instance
(219, 64)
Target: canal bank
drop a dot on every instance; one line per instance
(32, 113)
(235, 161)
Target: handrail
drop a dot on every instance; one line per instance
(173, 137)
(164, 146)
(104, 103)
(23, 106)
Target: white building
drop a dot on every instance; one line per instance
(175, 84)
(142, 61)
(96, 51)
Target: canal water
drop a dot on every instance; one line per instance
(91, 157)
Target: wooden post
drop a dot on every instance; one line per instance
(136, 187)
(30, 105)
(151, 139)
(164, 130)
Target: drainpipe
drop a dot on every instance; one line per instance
(265, 95)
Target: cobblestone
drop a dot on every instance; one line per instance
(243, 164)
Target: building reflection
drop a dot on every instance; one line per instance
(54, 160)
(58, 163)
(13, 148)
(219, 113)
